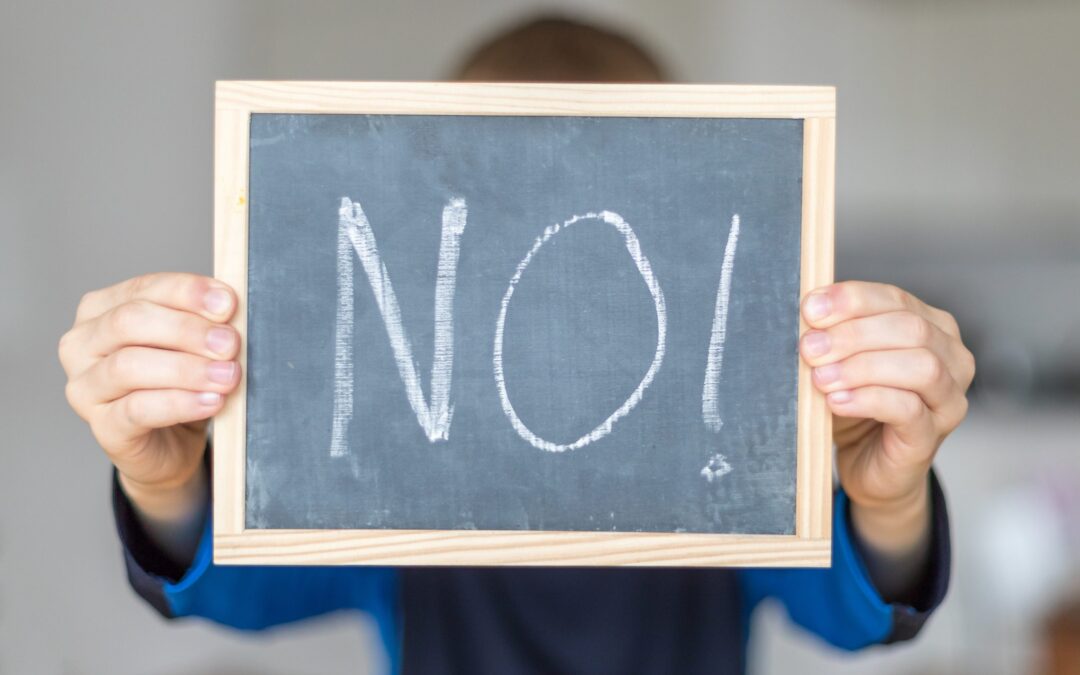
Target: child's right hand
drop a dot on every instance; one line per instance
(149, 361)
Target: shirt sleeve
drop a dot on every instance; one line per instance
(840, 604)
(249, 597)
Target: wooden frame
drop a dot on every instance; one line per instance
(810, 546)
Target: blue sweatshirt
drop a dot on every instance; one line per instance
(548, 620)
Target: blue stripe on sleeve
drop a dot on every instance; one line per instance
(258, 597)
(839, 604)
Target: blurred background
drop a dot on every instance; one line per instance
(958, 177)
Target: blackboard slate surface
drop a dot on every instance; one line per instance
(580, 330)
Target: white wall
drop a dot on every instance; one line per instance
(958, 156)
(958, 170)
(104, 173)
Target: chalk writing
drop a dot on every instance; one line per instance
(434, 417)
(642, 263)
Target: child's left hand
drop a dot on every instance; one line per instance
(896, 374)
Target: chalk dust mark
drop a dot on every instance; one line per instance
(645, 269)
(270, 140)
(716, 469)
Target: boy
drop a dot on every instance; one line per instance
(151, 359)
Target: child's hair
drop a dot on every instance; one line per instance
(557, 49)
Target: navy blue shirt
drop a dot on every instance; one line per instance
(548, 620)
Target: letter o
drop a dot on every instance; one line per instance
(642, 263)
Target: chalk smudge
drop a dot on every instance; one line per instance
(716, 469)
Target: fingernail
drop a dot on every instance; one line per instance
(219, 340)
(827, 374)
(816, 343)
(209, 398)
(842, 396)
(221, 372)
(217, 301)
(818, 306)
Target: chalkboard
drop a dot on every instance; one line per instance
(497, 324)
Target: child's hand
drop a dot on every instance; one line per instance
(148, 361)
(895, 372)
